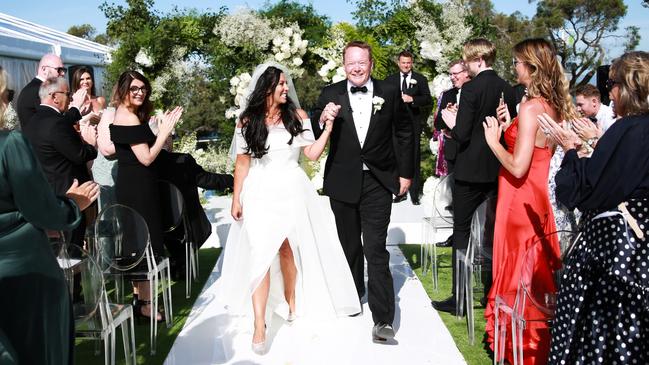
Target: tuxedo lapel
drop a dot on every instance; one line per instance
(346, 112)
(375, 114)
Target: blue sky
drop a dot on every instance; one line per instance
(62, 14)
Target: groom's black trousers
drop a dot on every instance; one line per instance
(369, 217)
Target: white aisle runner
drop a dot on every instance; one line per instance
(421, 335)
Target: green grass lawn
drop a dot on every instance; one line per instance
(474, 354)
(84, 349)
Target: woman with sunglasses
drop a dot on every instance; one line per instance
(602, 313)
(136, 149)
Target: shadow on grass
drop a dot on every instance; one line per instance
(475, 354)
(84, 349)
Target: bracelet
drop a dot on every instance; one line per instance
(592, 141)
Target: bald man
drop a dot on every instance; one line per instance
(50, 66)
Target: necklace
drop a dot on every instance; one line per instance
(272, 119)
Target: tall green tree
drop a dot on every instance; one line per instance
(578, 29)
(87, 31)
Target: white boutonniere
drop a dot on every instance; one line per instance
(377, 102)
(413, 82)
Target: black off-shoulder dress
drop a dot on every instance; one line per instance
(137, 185)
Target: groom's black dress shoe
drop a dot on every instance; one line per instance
(447, 305)
(382, 332)
(400, 198)
(416, 202)
(446, 243)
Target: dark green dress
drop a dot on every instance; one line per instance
(35, 313)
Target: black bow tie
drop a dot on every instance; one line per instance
(355, 89)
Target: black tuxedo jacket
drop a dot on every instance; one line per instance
(59, 148)
(450, 145)
(182, 170)
(344, 167)
(422, 100)
(479, 98)
(28, 101)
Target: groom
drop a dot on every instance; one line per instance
(363, 171)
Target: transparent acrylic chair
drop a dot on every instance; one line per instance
(174, 215)
(95, 318)
(533, 304)
(474, 262)
(123, 250)
(441, 218)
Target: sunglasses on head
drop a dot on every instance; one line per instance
(610, 83)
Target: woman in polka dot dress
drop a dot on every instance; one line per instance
(602, 314)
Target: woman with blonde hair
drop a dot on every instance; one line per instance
(602, 313)
(523, 212)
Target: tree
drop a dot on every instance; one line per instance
(578, 28)
(87, 31)
(370, 13)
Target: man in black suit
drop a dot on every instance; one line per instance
(416, 95)
(449, 101)
(363, 171)
(60, 149)
(182, 170)
(49, 66)
(476, 168)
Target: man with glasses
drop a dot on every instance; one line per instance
(62, 153)
(449, 101)
(476, 167)
(50, 65)
(416, 95)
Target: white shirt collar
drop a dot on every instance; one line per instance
(368, 84)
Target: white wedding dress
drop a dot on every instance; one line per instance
(279, 202)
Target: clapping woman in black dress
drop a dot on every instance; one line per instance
(137, 148)
(602, 314)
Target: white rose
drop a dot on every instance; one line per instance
(338, 78)
(234, 81)
(277, 41)
(323, 72)
(286, 48)
(245, 77)
(288, 32)
(331, 64)
(297, 61)
(303, 44)
(279, 56)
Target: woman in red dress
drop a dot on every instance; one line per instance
(523, 212)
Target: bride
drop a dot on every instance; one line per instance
(282, 254)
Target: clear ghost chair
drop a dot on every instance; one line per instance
(474, 263)
(123, 250)
(95, 318)
(533, 304)
(442, 218)
(174, 215)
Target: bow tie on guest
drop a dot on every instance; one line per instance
(355, 89)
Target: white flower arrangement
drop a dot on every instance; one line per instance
(440, 83)
(288, 48)
(428, 191)
(441, 42)
(246, 29)
(238, 87)
(377, 103)
(143, 59)
(412, 81)
(333, 69)
(434, 146)
(178, 68)
(211, 159)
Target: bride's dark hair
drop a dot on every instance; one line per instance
(253, 118)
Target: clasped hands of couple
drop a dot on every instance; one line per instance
(329, 114)
(567, 134)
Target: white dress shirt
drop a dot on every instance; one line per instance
(361, 104)
(408, 77)
(605, 118)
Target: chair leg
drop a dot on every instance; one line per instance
(112, 346)
(167, 288)
(125, 341)
(106, 340)
(459, 287)
(514, 342)
(468, 290)
(434, 268)
(134, 354)
(153, 323)
(188, 260)
(496, 332)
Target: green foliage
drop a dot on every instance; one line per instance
(87, 31)
(315, 26)
(371, 13)
(577, 28)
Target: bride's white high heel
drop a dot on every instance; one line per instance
(291, 318)
(259, 348)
